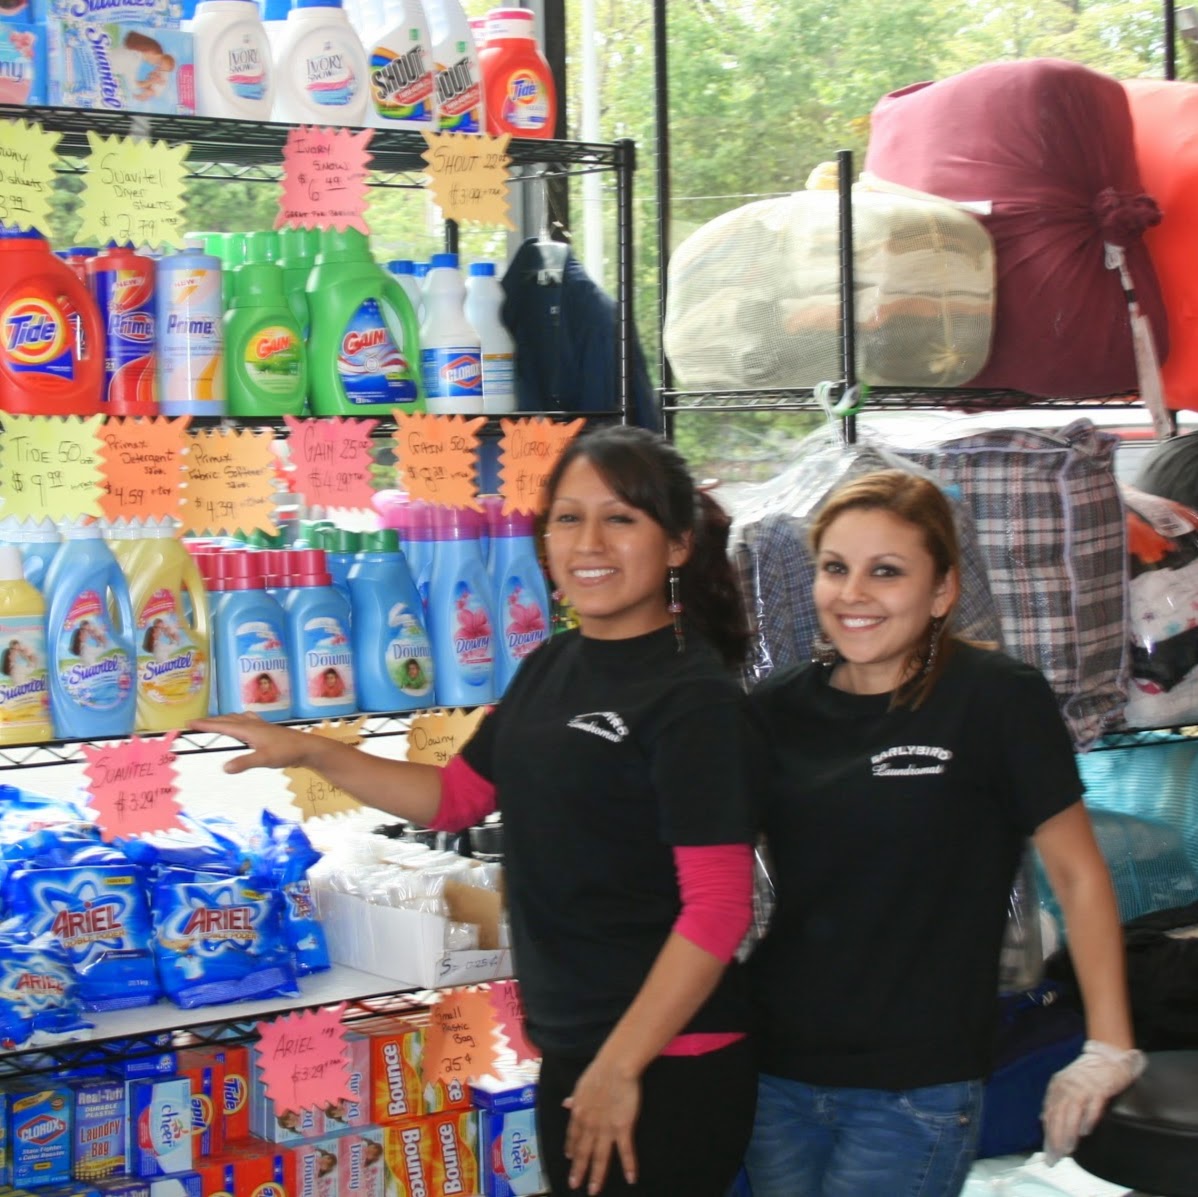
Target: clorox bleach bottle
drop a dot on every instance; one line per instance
(171, 632)
(51, 333)
(233, 69)
(364, 345)
(460, 103)
(400, 57)
(321, 75)
(484, 303)
(451, 351)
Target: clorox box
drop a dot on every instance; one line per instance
(40, 1123)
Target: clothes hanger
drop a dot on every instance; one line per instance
(549, 254)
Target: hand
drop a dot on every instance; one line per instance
(603, 1110)
(274, 747)
(1078, 1094)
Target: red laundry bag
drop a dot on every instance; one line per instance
(1165, 122)
(1049, 144)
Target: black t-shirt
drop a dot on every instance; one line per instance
(896, 836)
(605, 755)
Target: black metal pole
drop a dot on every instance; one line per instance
(451, 236)
(625, 165)
(1170, 40)
(557, 187)
(848, 316)
(661, 81)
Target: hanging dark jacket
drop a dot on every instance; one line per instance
(564, 325)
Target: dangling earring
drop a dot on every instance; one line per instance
(674, 607)
(557, 594)
(934, 630)
(823, 651)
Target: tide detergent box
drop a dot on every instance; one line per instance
(236, 1061)
(508, 1150)
(247, 1169)
(316, 1165)
(360, 1168)
(434, 1156)
(120, 68)
(40, 1123)
(22, 63)
(161, 14)
(159, 1120)
(207, 1076)
(99, 1139)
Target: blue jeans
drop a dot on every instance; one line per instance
(813, 1141)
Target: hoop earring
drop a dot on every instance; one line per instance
(823, 651)
(674, 607)
(935, 628)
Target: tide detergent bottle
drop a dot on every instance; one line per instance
(364, 350)
(391, 645)
(518, 84)
(521, 596)
(51, 334)
(24, 697)
(92, 662)
(171, 629)
(459, 612)
(318, 621)
(266, 369)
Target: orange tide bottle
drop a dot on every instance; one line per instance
(51, 334)
(517, 82)
(123, 283)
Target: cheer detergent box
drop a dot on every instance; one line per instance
(435, 1156)
(22, 63)
(508, 1150)
(100, 1131)
(159, 1133)
(40, 1122)
(120, 68)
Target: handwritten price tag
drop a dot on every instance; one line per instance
(468, 174)
(303, 1060)
(437, 458)
(50, 467)
(314, 795)
(133, 192)
(230, 481)
(27, 154)
(528, 451)
(332, 460)
(509, 1014)
(436, 737)
(324, 179)
(132, 786)
(142, 463)
(460, 1039)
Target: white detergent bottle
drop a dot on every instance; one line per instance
(450, 349)
(233, 70)
(320, 67)
(455, 63)
(484, 303)
(400, 57)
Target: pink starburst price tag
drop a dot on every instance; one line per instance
(132, 786)
(303, 1060)
(332, 460)
(509, 1014)
(324, 179)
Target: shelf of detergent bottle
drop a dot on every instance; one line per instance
(150, 1030)
(260, 143)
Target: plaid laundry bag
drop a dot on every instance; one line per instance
(1050, 525)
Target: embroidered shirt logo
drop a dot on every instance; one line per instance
(910, 760)
(606, 724)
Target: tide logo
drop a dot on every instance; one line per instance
(464, 372)
(235, 1093)
(523, 87)
(35, 332)
(270, 1189)
(201, 1113)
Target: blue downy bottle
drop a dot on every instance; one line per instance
(521, 600)
(253, 671)
(459, 612)
(93, 664)
(322, 663)
(391, 645)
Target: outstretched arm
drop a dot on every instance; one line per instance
(411, 791)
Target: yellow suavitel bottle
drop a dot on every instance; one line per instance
(170, 626)
(24, 690)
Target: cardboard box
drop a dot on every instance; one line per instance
(207, 1076)
(508, 1150)
(316, 1168)
(40, 1124)
(360, 1168)
(22, 63)
(237, 1090)
(249, 1169)
(181, 1184)
(435, 1156)
(100, 1130)
(159, 1122)
(160, 14)
(406, 945)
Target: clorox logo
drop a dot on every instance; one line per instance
(522, 88)
(464, 371)
(35, 332)
(134, 326)
(41, 1130)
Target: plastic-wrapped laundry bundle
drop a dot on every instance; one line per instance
(754, 295)
(769, 543)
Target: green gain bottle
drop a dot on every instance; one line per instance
(364, 341)
(266, 367)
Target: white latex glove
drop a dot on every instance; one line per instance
(1078, 1094)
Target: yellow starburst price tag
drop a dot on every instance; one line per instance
(468, 174)
(27, 174)
(436, 737)
(134, 192)
(50, 467)
(313, 794)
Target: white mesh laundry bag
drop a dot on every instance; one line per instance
(754, 296)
